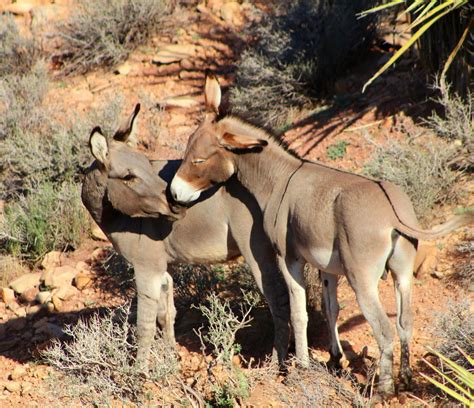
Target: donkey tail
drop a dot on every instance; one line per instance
(438, 230)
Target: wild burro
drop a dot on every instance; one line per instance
(125, 194)
(343, 223)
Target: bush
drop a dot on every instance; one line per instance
(18, 54)
(299, 52)
(99, 361)
(103, 32)
(51, 219)
(422, 171)
(464, 268)
(453, 329)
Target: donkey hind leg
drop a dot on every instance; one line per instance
(401, 263)
(270, 282)
(149, 284)
(292, 270)
(167, 310)
(365, 287)
(331, 307)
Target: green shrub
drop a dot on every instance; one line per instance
(422, 170)
(103, 32)
(50, 219)
(18, 54)
(299, 52)
(337, 150)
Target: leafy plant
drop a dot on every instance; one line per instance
(427, 13)
(337, 150)
(455, 381)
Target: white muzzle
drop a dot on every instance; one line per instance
(182, 191)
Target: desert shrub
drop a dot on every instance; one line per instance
(103, 32)
(18, 54)
(457, 122)
(464, 268)
(422, 170)
(317, 387)
(51, 219)
(299, 51)
(10, 268)
(453, 328)
(99, 361)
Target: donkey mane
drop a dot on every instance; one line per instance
(248, 127)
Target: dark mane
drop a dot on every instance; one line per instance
(270, 133)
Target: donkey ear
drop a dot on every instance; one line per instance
(99, 146)
(212, 93)
(126, 129)
(231, 141)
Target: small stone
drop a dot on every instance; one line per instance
(17, 373)
(26, 387)
(58, 304)
(82, 281)
(81, 266)
(20, 312)
(33, 309)
(63, 275)
(123, 69)
(65, 292)
(13, 386)
(43, 297)
(27, 281)
(7, 295)
(186, 64)
(29, 295)
(98, 234)
(51, 260)
(190, 381)
(230, 12)
(50, 307)
(437, 275)
(41, 322)
(236, 361)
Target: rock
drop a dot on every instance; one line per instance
(34, 309)
(43, 297)
(55, 331)
(123, 69)
(47, 276)
(179, 102)
(20, 312)
(437, 275)
(426, 259)
(29, 295)
(7, 295)
(26, 387)
(41, 322)
(58, 304)
(27, 281)
(63, 275)
(82, 281)
(98, 234)
(65, 292)
(12, 305)
(173, 53)
(50, 307)
(13, 386)
(186, 63)
(230, 13)
(51, 260)
(17, 373)
(81, 266)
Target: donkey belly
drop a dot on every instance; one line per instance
(327, 260)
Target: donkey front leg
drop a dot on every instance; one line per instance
(167, 310)
(331, 308)
(292, 270)
(149, 287)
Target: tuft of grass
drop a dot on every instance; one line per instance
(337, 150)
(98, 362)
(10, 268)
(423, 171)
(18, 54)
(103, 33)
(464, 269)
(454, 330)
(51, 219)
(298, 53)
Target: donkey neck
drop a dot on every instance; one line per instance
(267, 172)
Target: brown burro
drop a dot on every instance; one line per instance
(126, 195)
(342, 223)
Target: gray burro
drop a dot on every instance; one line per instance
(341, 223)
(126, 195)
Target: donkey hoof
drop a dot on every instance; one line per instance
(385, 391)
(405, 380)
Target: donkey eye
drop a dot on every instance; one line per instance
(199, 161)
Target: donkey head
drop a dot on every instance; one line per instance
(133, 188)
(209, 158)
